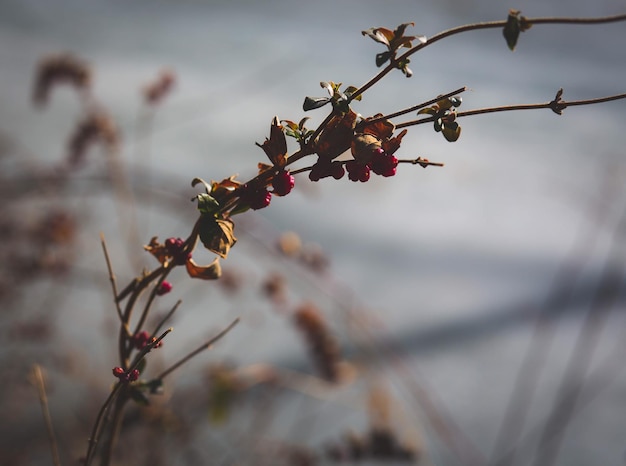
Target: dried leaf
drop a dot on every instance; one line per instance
(157, 250)
(217, 234)
(276, 146)
(390, 146)
(337, 136)
(212, 271)
(382, 129)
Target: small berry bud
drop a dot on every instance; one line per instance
(133, 375)
(164, 288)
(119, 372)
(140, 340)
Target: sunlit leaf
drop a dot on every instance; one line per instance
(311, 103)
(380, 35)
(207, 204)
(197, 181)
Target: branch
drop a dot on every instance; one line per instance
(38, 381)
(556, 105)
(198, 350)
(113, 285)
(475, 27)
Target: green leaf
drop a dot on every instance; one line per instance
(351, 90)
(311, 103)
(155, 386)
(139, 397)
(382, 58)
(207, 204)
(512, 29)
(451, 131)
(142, 365)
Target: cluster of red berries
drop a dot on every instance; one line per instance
(142, 339)
(175, 248)
(258, 197)
(124, 376)
(379, 162)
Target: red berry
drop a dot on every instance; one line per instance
(283, 183)
(384, 164)
(133, 375)
(119, 372)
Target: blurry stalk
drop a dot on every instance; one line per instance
(555, 304)
(603, 301)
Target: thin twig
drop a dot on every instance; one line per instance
(148, 306)
(416, 107)
(475, 27)
(97, 427)
(38, 380)
(195, 352)
(167, 317)
(113, 284)
(509, 108)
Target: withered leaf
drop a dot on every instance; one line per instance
(217, 234)
(157, 250)
(212, 271)
(382, 129)
(337, 136)
(276, 146)
(390, 146)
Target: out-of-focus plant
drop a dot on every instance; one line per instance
(373, 143)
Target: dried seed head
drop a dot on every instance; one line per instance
(96, 127)
(59, 69)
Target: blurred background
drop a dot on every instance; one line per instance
(477, 301)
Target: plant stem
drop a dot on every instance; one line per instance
(198, 350)
(113, 285)
(38, 380)
(475, 27)
(509, 108)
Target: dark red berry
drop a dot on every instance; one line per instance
(133, 375)
(119, 372)
(384, 164)
(140, 340)
(283, 183)
(357, 171)
(337, 170)
(255, 197)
